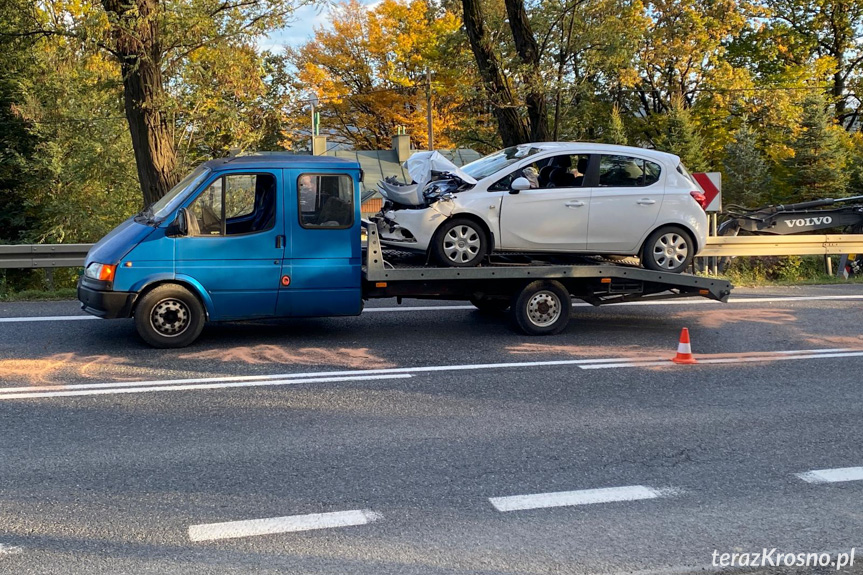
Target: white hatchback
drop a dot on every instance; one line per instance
(558, 197)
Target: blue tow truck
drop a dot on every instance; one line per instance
(278, 235)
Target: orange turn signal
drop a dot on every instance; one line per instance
(605, 281)
(106, 273)
(381, 284)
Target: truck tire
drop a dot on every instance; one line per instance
(542, 308)
(490, 305)
(169, 316)
(668, 249)
(459, 243)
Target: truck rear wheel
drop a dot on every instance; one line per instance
(542, 308)
(169, 316)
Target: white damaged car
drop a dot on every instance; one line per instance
(548, 198)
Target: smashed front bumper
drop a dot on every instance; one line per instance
(410, 229)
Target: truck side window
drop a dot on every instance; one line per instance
(325, 200)
(235, 204)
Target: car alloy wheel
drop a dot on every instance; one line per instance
(670, 251)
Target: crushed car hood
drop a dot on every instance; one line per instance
(421, 165)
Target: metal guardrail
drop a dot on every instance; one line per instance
(43, 256)
(72, 255)
(803, 245)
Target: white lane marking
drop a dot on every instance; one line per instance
(289, 524)
(223, 385)
(10, 550)
(768, 356)
(46, 318)
(683, 301)
(837, 475)
(581, 497)
(316, 376)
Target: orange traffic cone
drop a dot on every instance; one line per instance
(684, 351)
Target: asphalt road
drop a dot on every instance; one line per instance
(401, 436)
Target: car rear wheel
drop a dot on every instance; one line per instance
(169, 316)
(542, 308)
(668, 249)
(460, 243)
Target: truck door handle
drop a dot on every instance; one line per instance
(646, 202)
(574, 204)
(280, 242)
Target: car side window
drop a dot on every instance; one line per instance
(627, 172)
(565, 171)
(326, 200)
(234, 204)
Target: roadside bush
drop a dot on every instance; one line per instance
(782, 269)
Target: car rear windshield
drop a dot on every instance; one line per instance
(682, 169)
(493, 163)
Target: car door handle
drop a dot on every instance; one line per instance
(280, 242)
(646, 202)
(574, 204)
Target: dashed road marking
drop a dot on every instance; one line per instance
(581, 497)
(289, 524)
(837, 475)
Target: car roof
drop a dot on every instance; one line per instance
(282, 160)
(605, 149)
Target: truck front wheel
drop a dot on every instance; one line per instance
(542, 308)
(169, 316)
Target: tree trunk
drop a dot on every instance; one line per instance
(136, 40)
(528, 52)
(510, 126)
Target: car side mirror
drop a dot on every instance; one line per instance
(180, 226)
(518, 185)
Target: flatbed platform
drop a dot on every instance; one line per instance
(596, 282)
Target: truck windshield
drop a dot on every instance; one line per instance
(169, 202)
(493, 163)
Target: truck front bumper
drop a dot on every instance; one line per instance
(106, 304)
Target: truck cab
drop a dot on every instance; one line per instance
(257, 236)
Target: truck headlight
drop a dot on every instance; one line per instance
(101, 272)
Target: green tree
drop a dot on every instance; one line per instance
(151, 42)
(818, 168)
(17, 144)
(678, 135)
(825, 29)
(746, 174)
(615, 132)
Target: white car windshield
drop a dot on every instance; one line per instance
(166, 204)
(493, 163)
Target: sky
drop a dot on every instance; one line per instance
(302, 29)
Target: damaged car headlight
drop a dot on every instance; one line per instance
(439, 190)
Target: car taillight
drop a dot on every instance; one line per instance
(700, 198)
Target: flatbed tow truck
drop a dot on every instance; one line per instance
(275, 235)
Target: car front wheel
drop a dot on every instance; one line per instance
(668, 249)
(460, 243)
